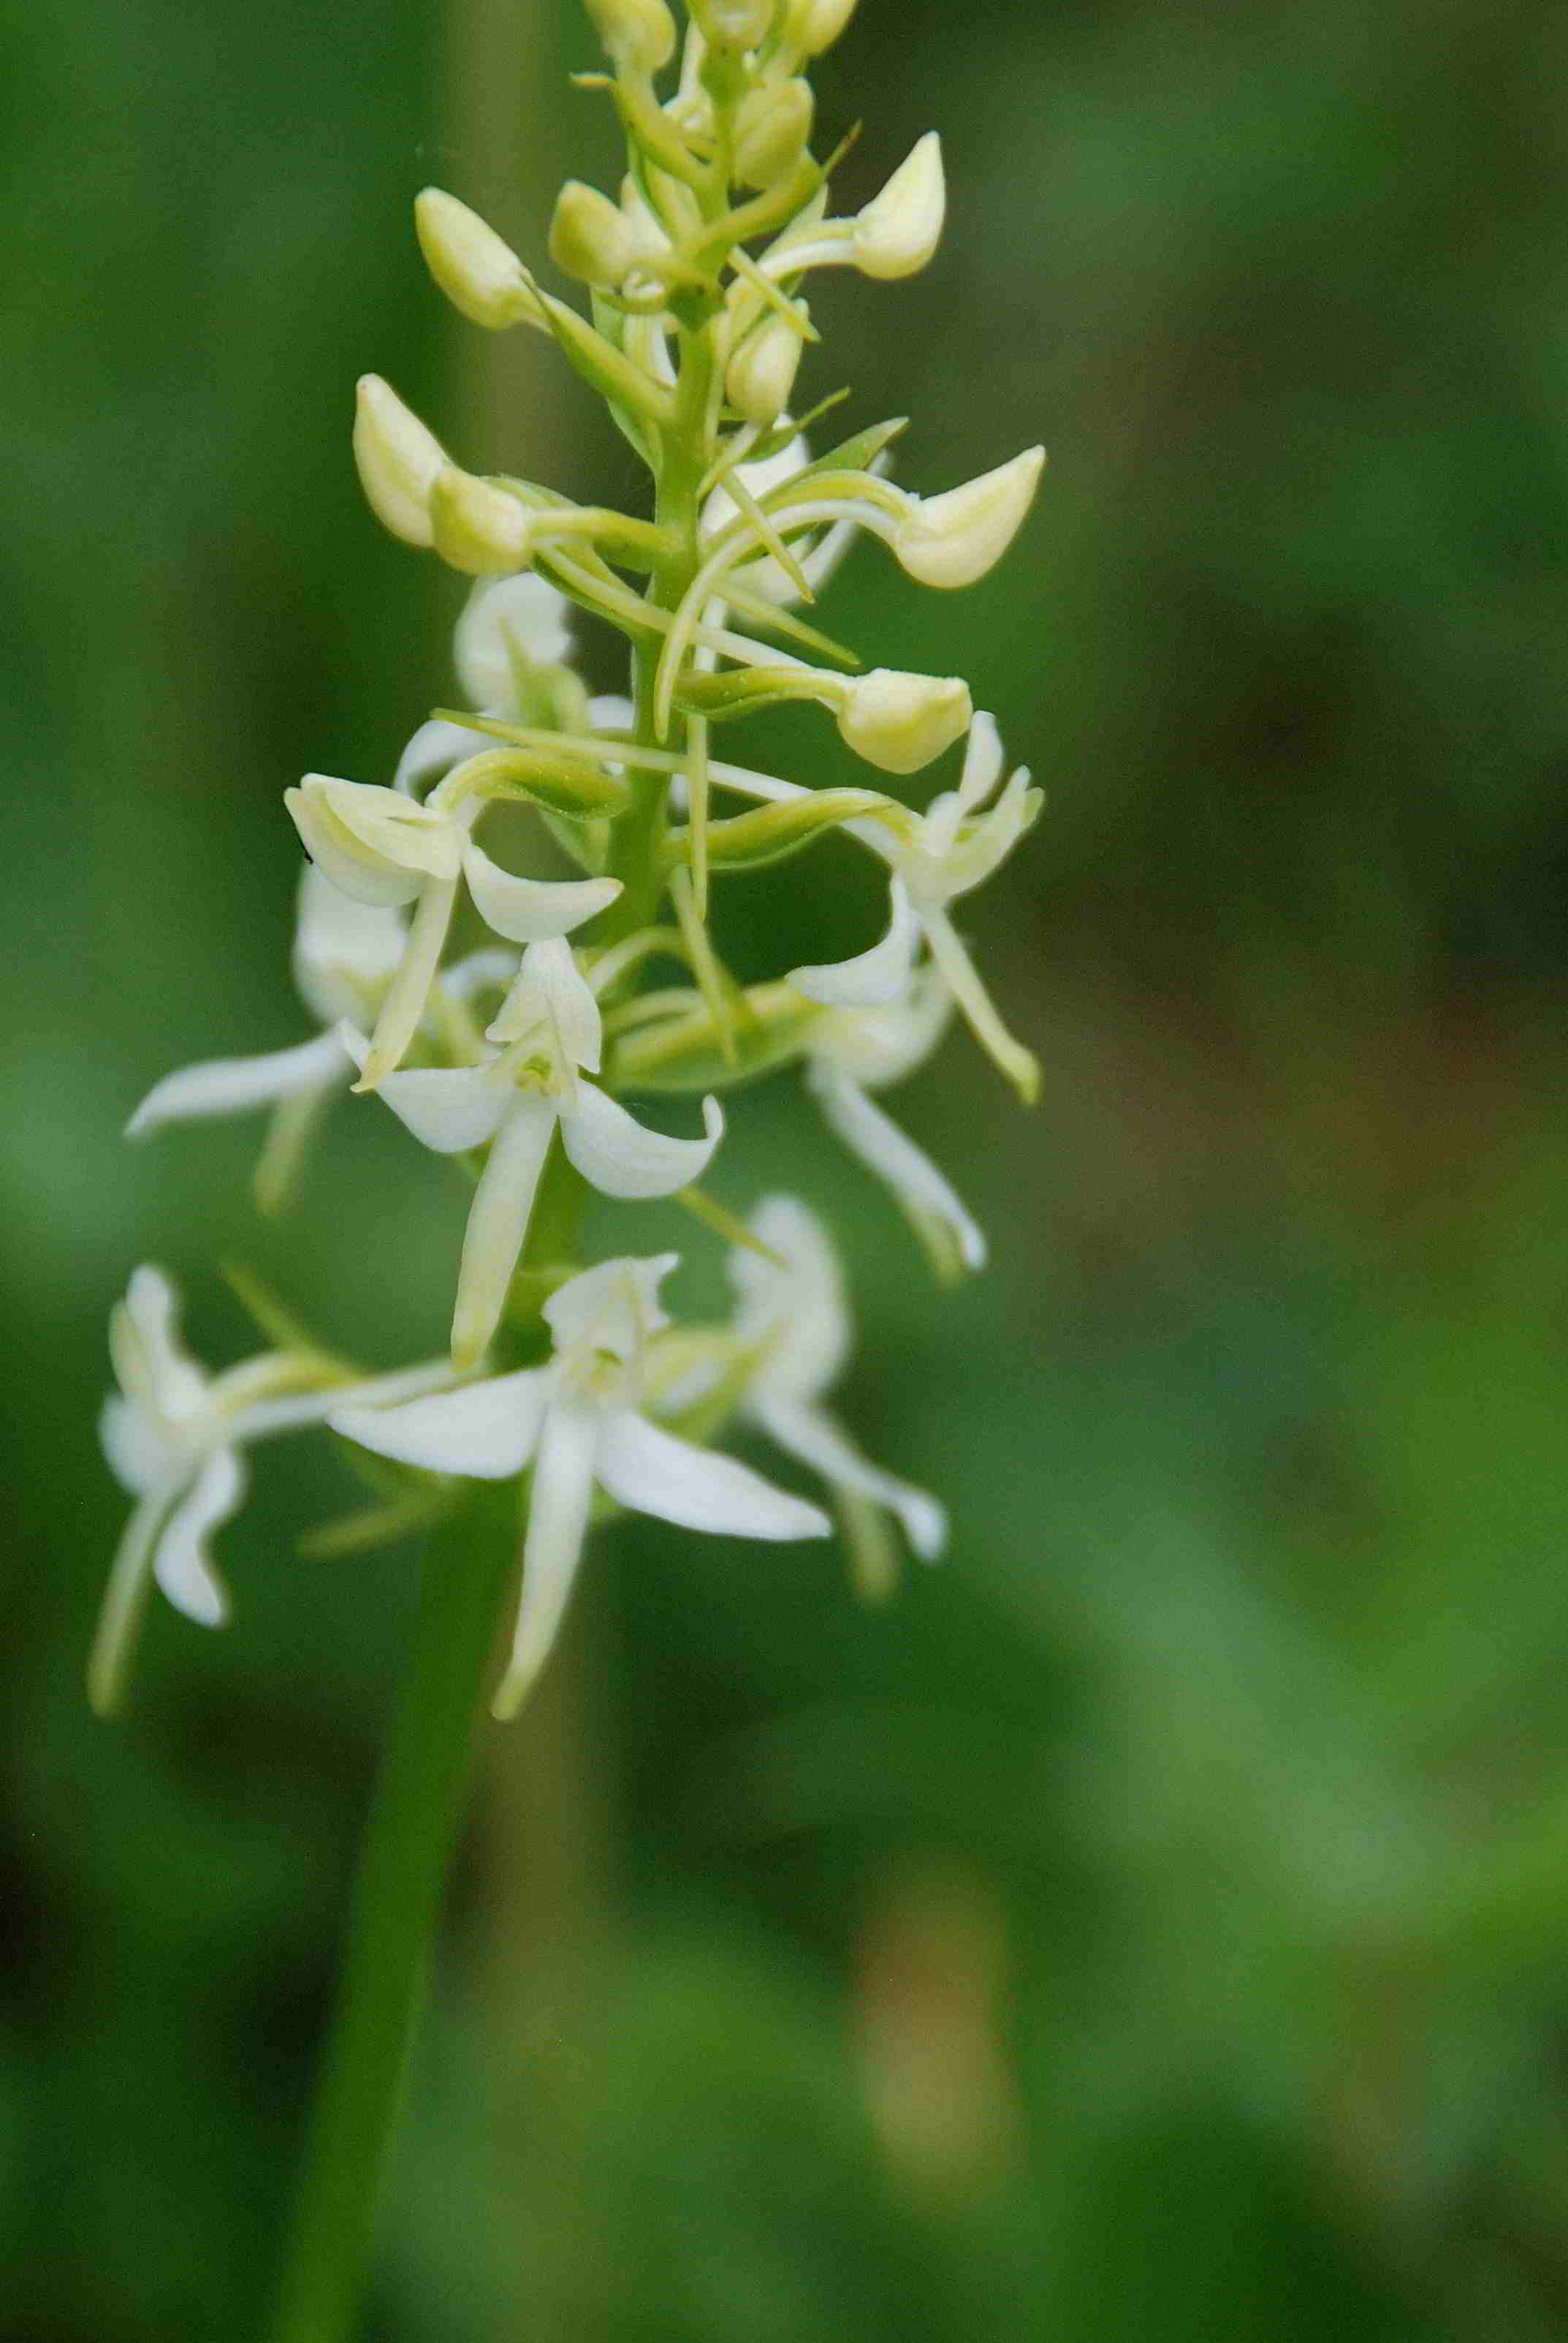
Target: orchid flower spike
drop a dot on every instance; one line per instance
(935, 858)
(173, 1436)
(380, 846)
(792, 1312)
(532, 1086)
(852, 1051)
(578, 1420)
(345, 956)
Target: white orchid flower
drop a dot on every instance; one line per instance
(578, 1422)
(173, 1437)
(550, 1035)
(509, 629)
(792, 1312)
(379, 847)
(936, 857)
(852, 1051)
(345, 956)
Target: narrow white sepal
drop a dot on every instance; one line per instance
(877, 979)
(487, 1430)
(619, 1157)
(181, 1563)
(652, 1472)
(234, 1085)
(925, 1195)
(817, 1441)
(552, 1547)
(530, 910)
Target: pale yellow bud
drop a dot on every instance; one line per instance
(813, 26)
(735, 24)
(638, 33)
(899, 722)
(397, 459)
(953, 540)
(762, 372)
(771, 127)
(899, 229)
(478, 272)
(590, 237)
(476, 526)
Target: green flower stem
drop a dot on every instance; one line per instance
(418, 1804)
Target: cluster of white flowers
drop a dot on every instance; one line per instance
(518, 1055)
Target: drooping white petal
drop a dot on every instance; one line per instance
(504, 619)
(449, 1109)
(552, 1547)
(652, 1472)
(234, 1085)
(963, 978)
(939, 1217)
(983, 761)
(404, 1002)
(806, 1433)
(617, 1155)
(874, 979)
(487, 1431)
(528, 911)
(124, 1600)
(498, 1221)
(181, 1563)
(613, 1307)
(433, 749)
(792, 1300)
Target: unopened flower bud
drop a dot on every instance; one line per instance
(813, 26)
(953, 540)
(478, 272)
(899, 229)
(771, 127)
(639, 33)
(590, 236)
(735, 24)
(899, 722)
(397, 459)
(478, 528)
(762, 372)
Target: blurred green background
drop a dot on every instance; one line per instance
(1156, 1924)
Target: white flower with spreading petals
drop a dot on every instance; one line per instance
(793, 1315)
(345, 956)
(936, 857)
(550, 1035)
(852, 1051)
(381, 847)
(173, 1436)
(578, 1422)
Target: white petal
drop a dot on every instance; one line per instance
(613, 1307)
(372, 843)
(1020, 1065)
(552, 990)
(139, 1454)
(879, 1046)
(487, 1431)
(234, 1085)
(503, 618)
(404, 1002)
(993, 837)
(497, 1224)
(552, 1548)
(611, 711)
(793, 1303)
(652, 1472)
(817, 1442)
(528, 911)
(154, 1370)
(448, 1109)
(983, 761)
(182, 1565)
(921, 1189)
(433, 749)
(619, 1157)
(874, 979)
(336, 938)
